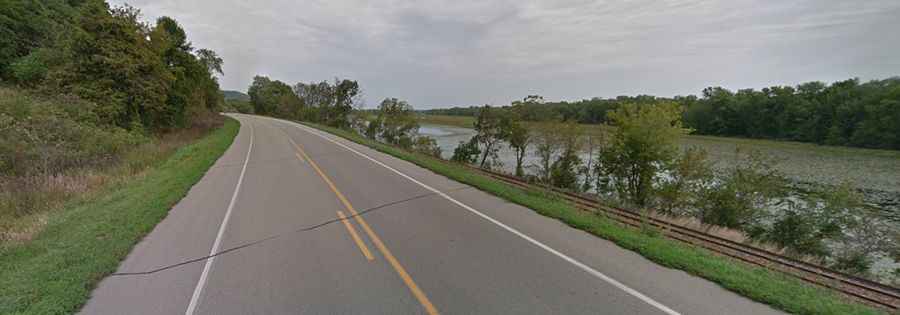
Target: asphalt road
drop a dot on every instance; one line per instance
(421, 244)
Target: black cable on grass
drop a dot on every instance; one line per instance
(259, 241)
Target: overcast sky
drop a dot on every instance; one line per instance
(446, 53)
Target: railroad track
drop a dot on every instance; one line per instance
(863, 290)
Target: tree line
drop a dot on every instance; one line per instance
(140, 76)
(338, 104)
(101, 78)
(91, 91)
(845, 113)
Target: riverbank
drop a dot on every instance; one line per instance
(876, 173)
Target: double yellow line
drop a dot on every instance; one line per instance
(418, 293)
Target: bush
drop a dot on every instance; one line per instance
(238, 106)
(31, 69)
(689, 175)
(739, 197)
(466, 152)
(46, 136)
(427, 145)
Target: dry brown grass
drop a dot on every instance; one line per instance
(25, 201)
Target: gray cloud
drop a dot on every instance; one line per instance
(443, 53)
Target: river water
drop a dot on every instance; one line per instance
(885, 201)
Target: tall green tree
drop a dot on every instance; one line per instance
(490, 129)
(114, 64)
(518, 136)
(273, 97)
(564, 170)
(642, 144)
(398, 122)
(547, 144)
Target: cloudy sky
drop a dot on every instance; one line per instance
(445, 53)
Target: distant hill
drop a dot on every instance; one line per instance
(235, 95)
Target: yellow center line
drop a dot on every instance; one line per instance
(418, 293)
(359, 242)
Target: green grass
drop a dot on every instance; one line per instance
(760, 284)
(55, 272)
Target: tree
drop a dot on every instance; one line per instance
(643, 143)
(594, 147)
(114, 64)
(397, 122)
(490, 127)
(518, 136)
(564, 171)
(519, 139)
(210, 60)
(317, 97)
(546, 146)
(27, 26)
(330, 104)
(195, 89)
(258, 99)
(345, 94)
(274, 98)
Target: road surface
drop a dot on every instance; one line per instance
(413, 242)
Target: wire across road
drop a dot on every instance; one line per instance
(431, 247)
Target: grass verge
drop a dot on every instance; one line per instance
(760, 284)
(55, 272)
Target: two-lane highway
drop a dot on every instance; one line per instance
(410, 241)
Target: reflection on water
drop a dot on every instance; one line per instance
(448, 137)
(437, 131)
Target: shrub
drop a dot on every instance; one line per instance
(238, 106)
(689, 174)
(31, 69)
(46, 137)
(427, 145)
(466, 152)
(739, 197)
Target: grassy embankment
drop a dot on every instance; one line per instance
(84, 239)
(759, 284)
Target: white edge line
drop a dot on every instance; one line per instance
(195, 298)
(571, 260)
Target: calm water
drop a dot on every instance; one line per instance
(448, 138)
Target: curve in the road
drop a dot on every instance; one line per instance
(531, 240)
